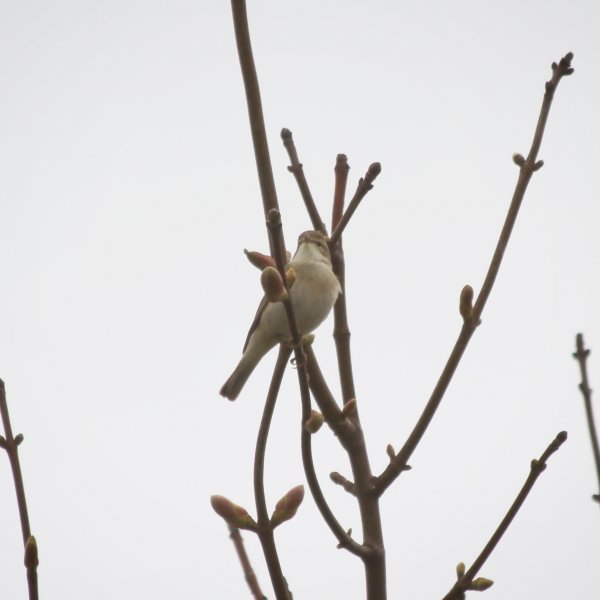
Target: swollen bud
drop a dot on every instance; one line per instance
(518, 159)
(290, 276)
(31, 553)
(315, 421)
(460, 570)
(481, 584)
(234, 515)
(307, 340)
(466, 303)
(286, 508)
(259, 260)
(272, 284)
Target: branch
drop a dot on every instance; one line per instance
(10, 444)
(581, 357)
(345, 541)
(255, 113)
(238, 542)
(341, 179)
(472, 317)
(265, 530)
(537, 467)
(364, 186)
(296, 169)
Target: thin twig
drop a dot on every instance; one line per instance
(527, 168)
(536, 469)
(364, 186)
(298, 172)
(255, 112)
(265, 530)
(581, 356)
(340, 480)
(249, 575)
(11, 444)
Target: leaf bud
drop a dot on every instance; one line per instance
(272, 284)
(481, 584)
(234, 515)
(259, 260)
(286, 508)
(314, 422)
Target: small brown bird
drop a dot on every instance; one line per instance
(313, 295)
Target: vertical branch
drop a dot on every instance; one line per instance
(255, 112)
(341, 178)
(10, 444)
(265, 530)
(580, 356)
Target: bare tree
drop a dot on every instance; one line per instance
(342, 416)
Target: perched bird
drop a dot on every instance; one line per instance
(313, 295)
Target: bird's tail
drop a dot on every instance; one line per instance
(233, 386)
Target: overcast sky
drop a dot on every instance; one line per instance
(127, 195)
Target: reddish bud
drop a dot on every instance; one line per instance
(234, 515)
(259, 260)
(286, 508)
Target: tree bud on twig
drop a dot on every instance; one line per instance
(538, 165)
(234, 515)
(19, 439)
(272, 284)
(31, 553)
(290, 277)
(460, 570)
(286, 508)
(349, 408)
(466, 303)
(315, 421)
(481, 584)
(518, 159)
(307, 340)
(259, 260)
(390, 451)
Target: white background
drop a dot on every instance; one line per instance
(127, 194)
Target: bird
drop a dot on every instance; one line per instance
(313, 294)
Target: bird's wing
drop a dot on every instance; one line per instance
(261, 308)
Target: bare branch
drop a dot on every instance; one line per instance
(265, 530)
(341, 179)
(11, 444)
(345, 541)
(255, 112)
(581, 357)
(526, 170)
(238, 542)
(536, 469)
(296, 169)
